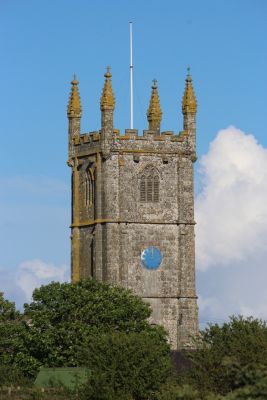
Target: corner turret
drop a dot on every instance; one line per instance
(154, 113)
(189, 109)
(74, 115)
(107, 106)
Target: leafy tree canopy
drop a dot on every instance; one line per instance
(224, 352)
(90, 302)
(13, 353)
(172, 391)
(253, 384)
(65, 317)
(126, 366)
(8, 310)
(85, 324)
(105, 328)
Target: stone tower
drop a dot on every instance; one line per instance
(133, 209)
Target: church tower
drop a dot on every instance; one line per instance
(133, 208)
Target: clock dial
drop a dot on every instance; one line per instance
(151, 258)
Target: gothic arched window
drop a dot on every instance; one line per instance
(89, 188)
(149, 186)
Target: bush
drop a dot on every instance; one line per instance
(223, 353)
(126, 366)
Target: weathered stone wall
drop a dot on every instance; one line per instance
(87, 249)
(113, 232)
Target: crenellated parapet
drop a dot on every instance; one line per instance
(108, 139)
(130, 135)
(166, 142)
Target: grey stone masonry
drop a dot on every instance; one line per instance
(131, 193)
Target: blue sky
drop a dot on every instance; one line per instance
(44, 42)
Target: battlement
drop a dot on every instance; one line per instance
(130, 135)
(166, 142)
(108, 140)
(87, 138)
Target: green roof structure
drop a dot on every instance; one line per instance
(70, 378)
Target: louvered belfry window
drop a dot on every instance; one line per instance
(143, 189)
(149, 187)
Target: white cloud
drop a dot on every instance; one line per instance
(231, 232)
(34, 273)
(231, 209)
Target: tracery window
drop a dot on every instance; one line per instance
(149, 186)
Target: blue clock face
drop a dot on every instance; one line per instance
(151, 258)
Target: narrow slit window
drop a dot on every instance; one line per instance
(93, 190)
(89, 189)
(87, 184)
(156, 189)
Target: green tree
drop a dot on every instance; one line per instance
(65, 318)
(104, 328)
(14, 359)
(126, 366)
(172, 391)
(257, 391)
(8, 310)
(224, 352)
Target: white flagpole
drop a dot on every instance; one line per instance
(131, 75)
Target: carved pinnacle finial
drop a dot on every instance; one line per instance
(108, 73)
(189, 104)
(154, 114)
(74, 106)
(107, 101)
